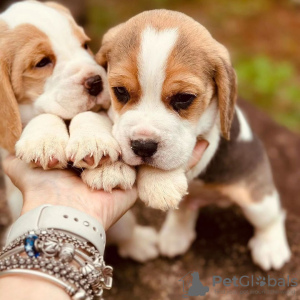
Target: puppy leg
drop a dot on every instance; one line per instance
(134, 241)
(91, 140)
(161, 189)
(269, 246)
(44, 141)
(178, 231)
(109, 176)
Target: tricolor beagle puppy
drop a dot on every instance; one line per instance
(47, 75)
(172, 84)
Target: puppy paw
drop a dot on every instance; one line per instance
(109, 176)
(46, 151)
(161, 189)
(175, 241)
(88, 151)
(142, 246)
(269, 247)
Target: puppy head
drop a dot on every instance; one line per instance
(170, 82)
(46, 67)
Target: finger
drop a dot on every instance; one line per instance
(121, 202)
(198, 152)
(15, 169)
(53, 162)
(129, 197)
(89, 160)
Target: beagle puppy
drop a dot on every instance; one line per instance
(48, 75)
(172, 84)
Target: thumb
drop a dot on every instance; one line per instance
(14, 169)
(199, 150)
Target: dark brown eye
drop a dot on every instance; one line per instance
(122, 94)
(85, 46)
(43, 63)
(182, 101)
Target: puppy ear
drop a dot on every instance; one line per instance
(225, 79)
(106, 45)
(10, 121)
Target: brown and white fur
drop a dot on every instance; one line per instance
(35, 102)
(47, 75)
(156, 56)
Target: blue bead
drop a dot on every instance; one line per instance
(29, 245)
(30, 253)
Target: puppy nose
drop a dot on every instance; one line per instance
(144, 148)
(94, 85)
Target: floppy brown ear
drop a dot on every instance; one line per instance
(106, 45)
(226, 82)
(10, 120)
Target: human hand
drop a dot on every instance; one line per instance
(198, 152)
(64, 187)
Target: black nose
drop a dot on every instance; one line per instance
(144, 148)
(94, 85)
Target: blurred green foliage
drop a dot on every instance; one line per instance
(271, 85)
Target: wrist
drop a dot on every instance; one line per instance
(30, 288)
(59, 244)
(73, 200)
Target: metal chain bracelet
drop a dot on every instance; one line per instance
(61, 258)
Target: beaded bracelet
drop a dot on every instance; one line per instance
(60, 257)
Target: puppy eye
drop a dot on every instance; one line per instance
(182, 101)
(85, 46)
(122, 94)
(44, 62)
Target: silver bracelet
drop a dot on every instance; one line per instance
(70, 290)
(49, 254)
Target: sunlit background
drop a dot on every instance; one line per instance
(262, 36)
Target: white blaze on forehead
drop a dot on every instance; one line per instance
(156, 47)
(47, 19)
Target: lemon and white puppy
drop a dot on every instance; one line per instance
(171, 83)
(48, 75)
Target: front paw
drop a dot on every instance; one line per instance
(109, 176)
(88, 151)
(269, 254)
(161, 189)
(142, 246)
(46, 151)
(269, 248)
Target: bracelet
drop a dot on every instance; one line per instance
(67, 288)
(61, 245)
(49, 254)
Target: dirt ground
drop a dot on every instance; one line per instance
(221, 246)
